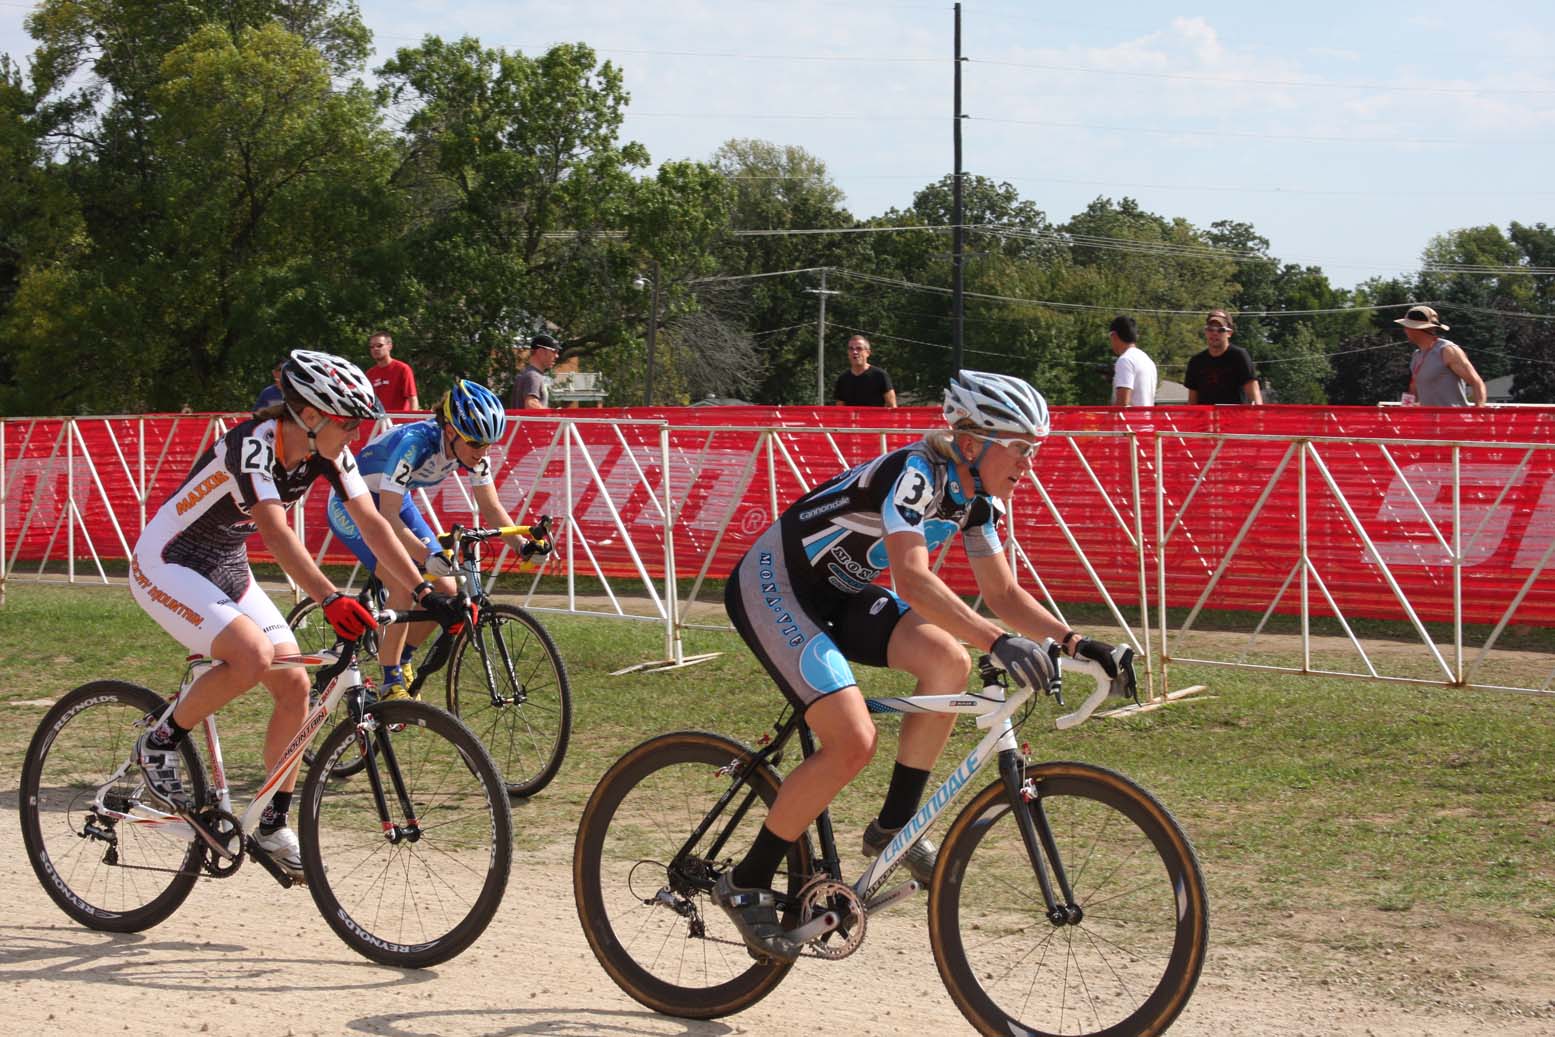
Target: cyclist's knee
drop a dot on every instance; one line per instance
(854, 747)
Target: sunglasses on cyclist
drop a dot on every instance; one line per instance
(346, 425)
(1023, 448)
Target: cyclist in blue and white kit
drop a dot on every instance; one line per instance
(805, 600)
(464, 425)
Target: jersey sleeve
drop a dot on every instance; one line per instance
(251, 460)
(481, 474)
(902, 510)
(980, 535)
(345, 475)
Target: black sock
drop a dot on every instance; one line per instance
(167, 735)
(761, 864)
(274, 815)
(902, 798)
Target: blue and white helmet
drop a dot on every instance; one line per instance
(996, 405)
(474, 412)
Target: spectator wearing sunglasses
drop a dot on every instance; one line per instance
(392, 380)
(1440, 374)
(863, 384)
(1223, 373)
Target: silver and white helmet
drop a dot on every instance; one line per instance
(329, 383)
(995, 404)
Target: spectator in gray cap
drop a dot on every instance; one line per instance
(1440, 374)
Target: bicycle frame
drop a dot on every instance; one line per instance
(995, 711)
(177, 826)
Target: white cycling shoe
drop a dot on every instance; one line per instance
(282, 847)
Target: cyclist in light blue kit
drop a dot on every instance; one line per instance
(805, 600)
(462, 429)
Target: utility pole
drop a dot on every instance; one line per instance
(958, 220)
(653, 327)
(820, 340)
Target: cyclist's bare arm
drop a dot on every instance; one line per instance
(494, 514)
(394, 564)
(270, 517)
(930, 597)
(1011, 602)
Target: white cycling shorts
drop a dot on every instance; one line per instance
(193, 609)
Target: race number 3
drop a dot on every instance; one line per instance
(911, 490)
(257, 456)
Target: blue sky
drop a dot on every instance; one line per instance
(1347, 134)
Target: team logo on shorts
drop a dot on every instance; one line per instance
(823, 666)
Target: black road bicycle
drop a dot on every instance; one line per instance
(1066, 899)
(505, 677)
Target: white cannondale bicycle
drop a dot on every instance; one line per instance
(1065, 900)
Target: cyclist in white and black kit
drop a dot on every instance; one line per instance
(804, 599)
(190, 570)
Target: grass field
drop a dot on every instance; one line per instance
(1300, 793)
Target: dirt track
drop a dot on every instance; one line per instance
(245, 957)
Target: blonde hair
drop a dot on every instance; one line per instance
(943, 441)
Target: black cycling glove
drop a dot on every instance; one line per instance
(1024, 660)
(1097, 651)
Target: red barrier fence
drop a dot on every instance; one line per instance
(1366, 508)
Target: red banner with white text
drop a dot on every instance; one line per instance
(1367, 505)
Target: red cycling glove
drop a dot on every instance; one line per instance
(347, 616)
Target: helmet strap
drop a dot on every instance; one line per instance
(971, 466)
(312, 430)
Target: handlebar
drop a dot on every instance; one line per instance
(538, 531)
(1124, 685)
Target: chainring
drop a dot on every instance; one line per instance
(822, 894)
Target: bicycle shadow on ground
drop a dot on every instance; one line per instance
(67, 954)
(509, 1022)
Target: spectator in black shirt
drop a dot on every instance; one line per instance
(1223, 373)
(862, 385)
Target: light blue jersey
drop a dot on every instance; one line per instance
(405, 458)
(412, 457)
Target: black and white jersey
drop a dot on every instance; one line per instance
(834, 536)
(206, 522)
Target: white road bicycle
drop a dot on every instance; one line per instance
(407, 856)
(1066, 899)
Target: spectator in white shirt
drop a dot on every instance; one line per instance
(1133, 373)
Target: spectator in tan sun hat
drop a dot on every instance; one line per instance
(1223, 373)
(1440, 374)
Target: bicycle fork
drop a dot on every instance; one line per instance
(1037, 835)
(370, 732)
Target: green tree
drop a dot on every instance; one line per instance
(776, 188)
(527, 210)
(240, 237)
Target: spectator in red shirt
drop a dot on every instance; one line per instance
(392, 380)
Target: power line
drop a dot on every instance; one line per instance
(1138, 186)
(1234, 81)
(1113, 308)
(1246, 134)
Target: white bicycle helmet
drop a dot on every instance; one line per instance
(995, 404)
(329, 383)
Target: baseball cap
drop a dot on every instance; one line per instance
(1420, 317)
(1222, 316)
(544, 341)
